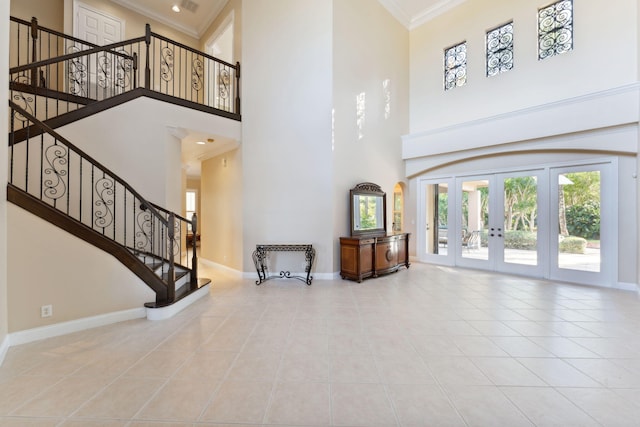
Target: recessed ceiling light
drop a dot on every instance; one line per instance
(175, 8)
(200, 142)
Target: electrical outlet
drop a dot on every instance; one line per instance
(46, 311)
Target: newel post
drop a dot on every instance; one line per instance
(194, 256)
(34, 54)
(237, 88)
(147, 66)
(135, 70)
(171, 276)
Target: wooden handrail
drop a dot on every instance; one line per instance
(49, 30)
(91, 160)
(79, 54)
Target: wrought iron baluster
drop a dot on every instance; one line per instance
(125, 217)
(93, 168)
(80, 191)
(41, 163)
(68, 178)
(12, 143)
(115, 209)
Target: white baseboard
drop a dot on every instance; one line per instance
(62, 328)
(4, 347)
(224, 268)
(163, 313)
(626, 286)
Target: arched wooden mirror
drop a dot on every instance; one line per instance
(368, 210)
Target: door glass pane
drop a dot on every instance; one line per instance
(437, 209)
(579, 221)
(475, 217)
(520, 220)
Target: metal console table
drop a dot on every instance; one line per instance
(260, 257)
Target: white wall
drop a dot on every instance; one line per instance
(221, 201)
(77, 278)
(4, 130)
(604, 56)
(370, 57)
(581, 104)
(134, 140)
(286, 135)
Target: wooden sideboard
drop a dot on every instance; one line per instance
(367, 256)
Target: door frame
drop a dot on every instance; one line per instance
(547, 209)
(421, 241)
(608, 228)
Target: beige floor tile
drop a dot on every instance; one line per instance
(486, 406)
(353, 368)
(423, 405)
(157, 364)
(110, 365)
(607, 373)
(493, 328)
(403, 370)
(295, 403)
(63, 398)
(206, 365)
(545, 407)
(308, 343)
(521, 347)
(158, 424)
(121, 399)
(563, 347)
(94, 423)
(360, 405)
(608, 347)
(345, 343)
(255, 366)
(29, 422)
(179, 400)
(17, 391)
(604, 406)
(226, 341)
(239, 402)
(569, 330)
(435, 345)
(506, 371)
(304, 367)
(478, 346)
(369, 343)
(558, 373)
(530, 328)
(456, 370)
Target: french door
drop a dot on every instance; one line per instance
(436, 203)
(499, 222)
(551, 222)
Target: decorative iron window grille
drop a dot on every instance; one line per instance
(555, 29)
(455, 66)
(500, 49)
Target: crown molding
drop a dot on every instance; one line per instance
(436, 10)
(414, 21)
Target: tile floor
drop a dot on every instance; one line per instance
(428, 346)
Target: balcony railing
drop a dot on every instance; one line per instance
(56, 74)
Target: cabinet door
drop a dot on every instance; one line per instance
(386, 254)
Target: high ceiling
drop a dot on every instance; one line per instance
(195, 16)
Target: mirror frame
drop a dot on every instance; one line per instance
(368, 189)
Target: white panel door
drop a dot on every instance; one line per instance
(97, 27)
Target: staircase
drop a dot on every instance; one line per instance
(57, 79)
